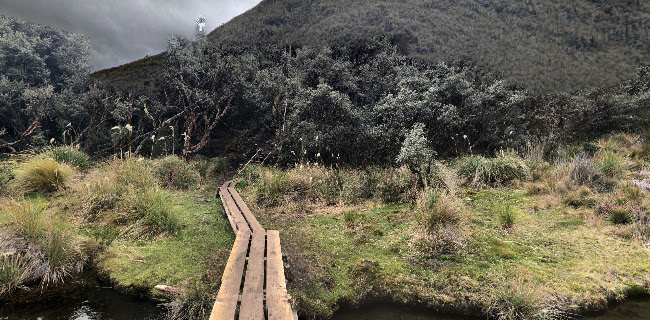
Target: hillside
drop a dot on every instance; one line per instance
(542, 45)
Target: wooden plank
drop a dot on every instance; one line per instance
(229, 202)
(246, 212)
(252, 300)
(227, 298)
(277, 299)
(223, 193)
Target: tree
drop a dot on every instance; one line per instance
(201, 85)
(416, 154)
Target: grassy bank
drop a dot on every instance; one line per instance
(514, 237)
(139, 223)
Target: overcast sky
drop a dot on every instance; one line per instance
(122, 31)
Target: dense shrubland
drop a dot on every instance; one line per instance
(352, 104)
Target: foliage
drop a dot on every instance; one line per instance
(416, 154)
(43, 175)
(69, 155)
(174, 172)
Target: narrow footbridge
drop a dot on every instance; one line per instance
(253, 284)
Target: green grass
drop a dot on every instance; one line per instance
(197, 253)
(508, 274)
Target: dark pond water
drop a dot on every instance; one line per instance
(633, 309)
(85, 298)
(82, 298)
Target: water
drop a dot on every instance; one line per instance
(633, 309)
(389, 312)
(85, 298)
(82, 298)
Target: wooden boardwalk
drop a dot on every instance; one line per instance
(253, 284)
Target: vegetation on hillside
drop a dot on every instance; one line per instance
(544, 46)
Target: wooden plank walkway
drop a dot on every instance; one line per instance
(253, 285)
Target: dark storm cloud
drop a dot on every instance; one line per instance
(121, 31)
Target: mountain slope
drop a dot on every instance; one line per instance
(557, 45)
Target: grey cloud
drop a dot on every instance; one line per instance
(121, 31)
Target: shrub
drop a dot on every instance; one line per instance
(582, 198)
(70, 156)
(209, 168)
(216, 167)
(173, 172)
(438, 208)
(416, 154)
(43, 175)
(501, 170)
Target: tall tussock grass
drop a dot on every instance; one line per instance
(175, 173)
(320, 184)
(126, 195)
(437, 209)
(68, 155)
(502, 170)
(51, 250)
(42, 175)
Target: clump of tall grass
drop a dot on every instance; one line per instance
(506, 215)
(14, 270)
(56, 251)
(6, 175)
(69, 155)
(209, 168)
(155, 207)
(438, 208)
(610, 164)
(582, 170)
(43, 175)
(502, 170)
(175, 173)
(619, 215)
(125, 197)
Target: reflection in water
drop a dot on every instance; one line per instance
(81, 299)
(386, 312)
(633, 309)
